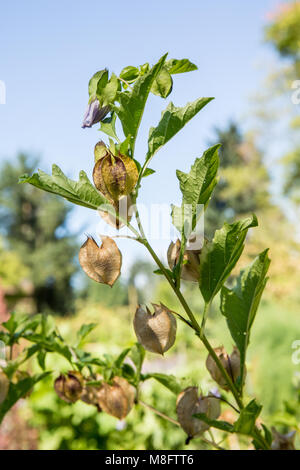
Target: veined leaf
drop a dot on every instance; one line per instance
(218, 257)
(180, 66)
(132, 103)
(215, 423)
(172, 120)
(239, 305)
(108, 126)
(163, 84)
(246, 421)
(196, 187)
(169, 381)
(80, 192)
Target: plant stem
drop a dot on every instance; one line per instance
(159, 413)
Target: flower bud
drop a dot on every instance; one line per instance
(114, 175)
(283, 441)
(116, 399)
(156, 332)
(102, 264)
(191, 261)
(69, 388)
(124, 209)
(188, 404)
(94, 113)
(230, 363)
(4, 386)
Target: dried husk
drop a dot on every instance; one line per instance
(230, 363)
(191, 261)
(156, 332)
(116, 399)
(188, 404)
(4, 386)
(69, 387)
(114, 175)
(283, 441)
(102, 264)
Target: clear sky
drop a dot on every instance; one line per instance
(50, 49)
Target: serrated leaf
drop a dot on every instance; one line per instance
(196, 188)
(169, 381)
(180, 66)
(132, 103)
(163, 84)
(239, 305)
(246, 421)
(19, 390)
(218, 257)
(80, 192)
(172, 120)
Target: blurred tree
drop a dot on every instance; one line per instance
(34, 224)
(283, 32)
(244, 180)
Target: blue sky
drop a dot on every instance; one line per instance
(50, 49)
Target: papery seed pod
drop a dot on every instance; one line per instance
(188, 404)
(124, 208)
(114, 175)
(102, 264)
(90, 395)
(283, 441)
(230, 363)
(191, 261)
(69, 387)
(94, 113)
(4, 386)
(156, 332)
(116, 399)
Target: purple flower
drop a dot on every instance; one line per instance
(94, 114)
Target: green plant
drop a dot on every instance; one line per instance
(112, 384)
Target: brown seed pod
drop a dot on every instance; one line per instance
(283, 441)
(156, 332)
(124, 208)
(188, 404)
(4, 386)
(102, 264)
(69, 388)
(116, 399)
(191, 261)
(230, 363)
(114, 175)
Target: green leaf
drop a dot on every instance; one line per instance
(132, 103)
(239, 305)
(218, 257)
(130, 73)
(148, 172)
(19, 390)
(180, 66)
(120, 359)
(84, 331)
(246, 421)
(196, 187)
(169, 381)
(137, 355)
(102, 77)
(214, 423)
(163, 84)
(107, 92)
(80, 192)
(172, 121)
